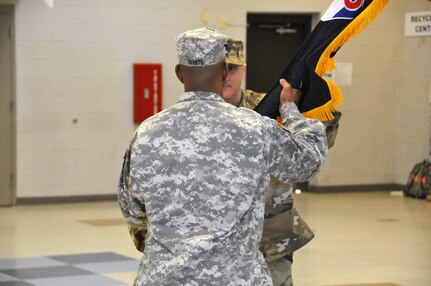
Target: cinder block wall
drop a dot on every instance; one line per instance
(74, 88)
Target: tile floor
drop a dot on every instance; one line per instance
(361, 239)
(66, 270)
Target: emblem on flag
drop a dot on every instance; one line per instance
(343, 9)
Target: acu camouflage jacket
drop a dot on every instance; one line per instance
(193, 180)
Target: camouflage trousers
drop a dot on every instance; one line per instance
(281, 271)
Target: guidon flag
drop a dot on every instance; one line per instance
(315, 57)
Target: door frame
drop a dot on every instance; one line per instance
(9, 9)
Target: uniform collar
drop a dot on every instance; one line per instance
(200, 95)
(242, 100)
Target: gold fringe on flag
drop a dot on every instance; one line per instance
(324, 112)
(326, 63)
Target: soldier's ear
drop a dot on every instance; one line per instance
(179, 73)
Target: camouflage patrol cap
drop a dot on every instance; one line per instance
(235, 52)
(201, 47)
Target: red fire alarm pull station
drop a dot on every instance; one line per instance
(147, 89)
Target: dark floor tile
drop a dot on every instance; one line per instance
(28, 262)
(15, 283)
(90, 258)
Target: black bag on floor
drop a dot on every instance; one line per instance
(419, 184)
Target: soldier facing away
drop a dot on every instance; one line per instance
(193, 178)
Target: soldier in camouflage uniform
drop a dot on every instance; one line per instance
(284, 229)
(193, 178)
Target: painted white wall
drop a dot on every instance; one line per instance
(413, 90)
(74, 88)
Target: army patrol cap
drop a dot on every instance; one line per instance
(201, 47)
(235, 52)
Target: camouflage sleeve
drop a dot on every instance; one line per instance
(284, 231)
(298, 155)
(283, 234)
(132, 208)
(278, 198)
(250, 99)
